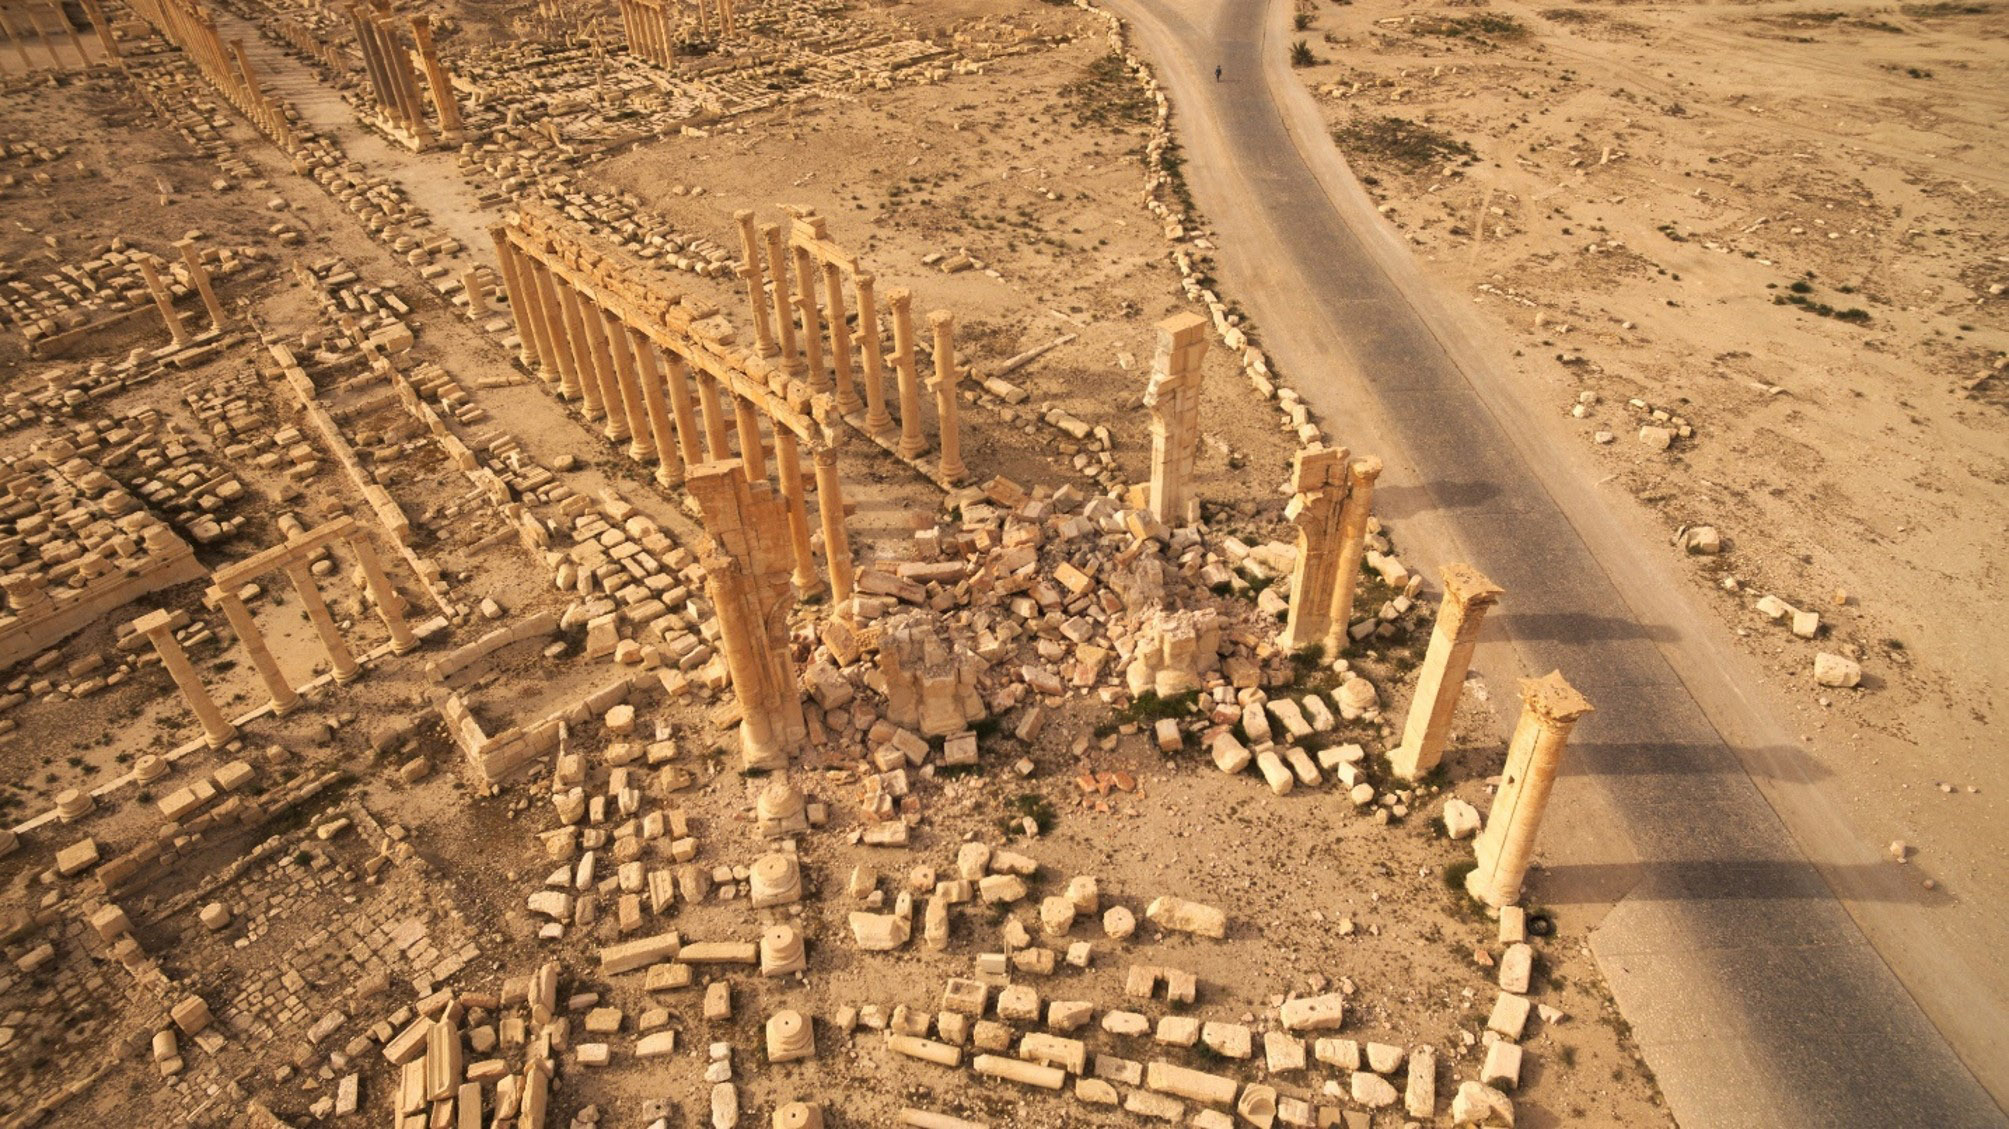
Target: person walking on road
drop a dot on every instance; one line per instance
(1217, 72)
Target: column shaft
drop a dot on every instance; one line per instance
(339, 659)
(717, 446)
(640, 445)
(1467, 595)
(679, 382)
(588, 386)
(557, 327)
(912, 441)
(777, 261)
(669, 466)
(216, 729)
(830, 509)
(1352, 539)
(1550, 708)
(603, 369)
(756, 285)
(284, 697)
(746, 421)
(877, 419)
(200, 275)
(787, 453)
(812, 329)
(165, 302)
(840, 340)
(390, 605)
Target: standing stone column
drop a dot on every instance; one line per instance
(777, 260)
(877, 419)
(1352, 540)
(912, 442)
(339, 659)
(717, 446)
(756, 284)
(1319, 479)
(165, 302)
(603, 369)
(812, 327)
(587, 384)
(284, 696)
(746, 575)
(1467, 595)
(390, 605)
(529, 350)
(752, 448)
(830, 509)
(788, 457)
(840, 340)
(641, 445)
(663, 445)
(550, 312)
(443, 99)
(158, 627)
(373, 64)
(944, 383)
(679, 380)
(200, 275)
(1550, 708)
(476, 291)
(1174, 399)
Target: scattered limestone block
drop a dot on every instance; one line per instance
(1510, 1016)
(1372, 1090)
(1118, 923)
(1503, 1066)
(1479, 1104)
(1230, 1039)
(1419, 1097)
(1517, 968)
(1836, 671)
(1194, 1085)
(1182, 916)
(1313, 1013)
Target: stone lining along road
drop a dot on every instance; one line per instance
(1774, 969)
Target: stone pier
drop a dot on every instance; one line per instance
(1550, 708)
(1467, 595)
(1173, 397)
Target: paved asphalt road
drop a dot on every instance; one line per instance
(1744, 967)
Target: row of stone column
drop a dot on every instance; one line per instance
(814, 268)
(163, 299)
(653, 30)
(667, 412)
(20, 22)
(395, 83)
(188, 25)
(217, 729)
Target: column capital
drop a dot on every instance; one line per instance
(1468, 587)
(1553, 700)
